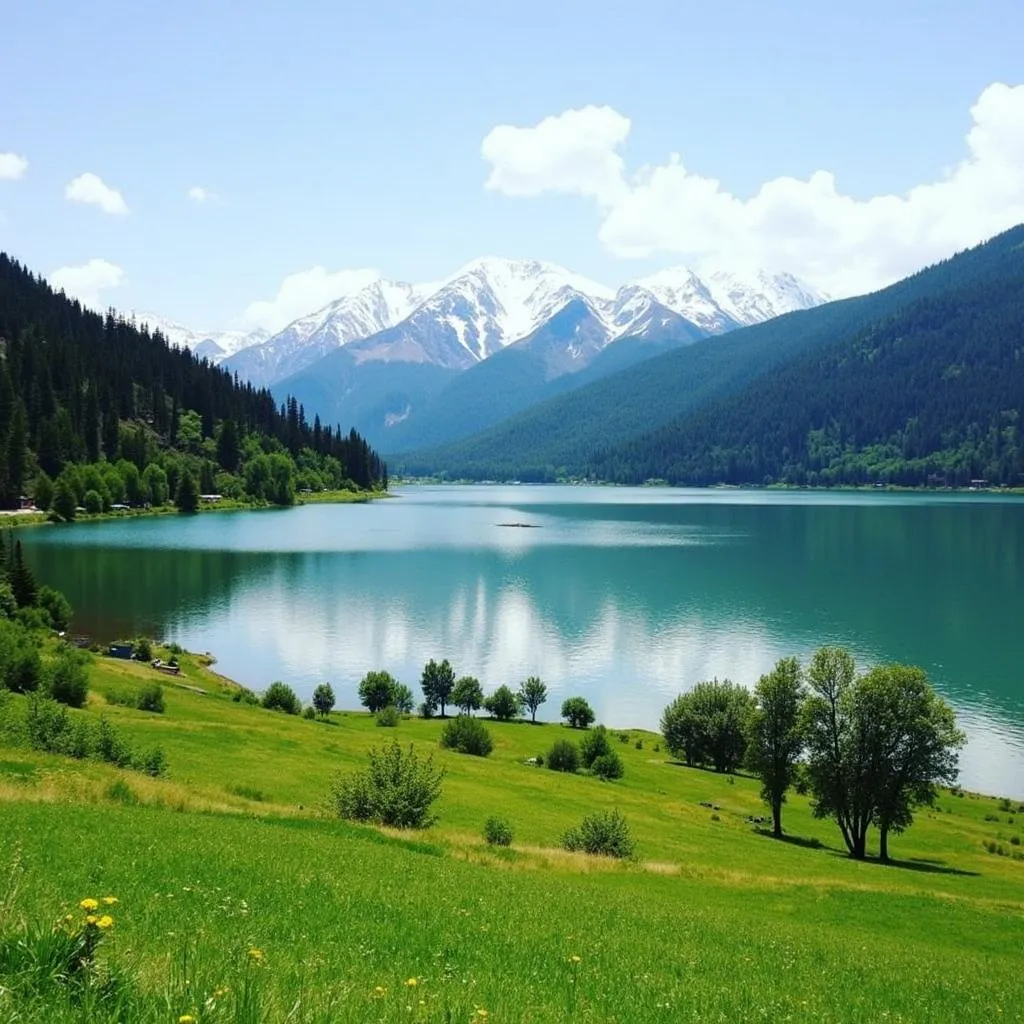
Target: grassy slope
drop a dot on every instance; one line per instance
(714, 922)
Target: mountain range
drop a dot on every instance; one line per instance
(415, 365)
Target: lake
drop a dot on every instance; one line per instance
(626, 596)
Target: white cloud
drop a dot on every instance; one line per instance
(90, 188)
(198, 194)
(304, 292)
(87, 281)
(12, 166)
(574, 152)
(839, 244)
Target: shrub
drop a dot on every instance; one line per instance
(539, 760)
(563, 756)
(93, 502)
(498, 832)
(1015, 840)
(56, 605)
(639, 744)
(396, 788)
(67, 681)
(110, 747)
(243, 695)
(623, 737)
(151, 698)
(467, 735)
(608, 766)
(594, 745)
(21, 670)
(426, 710)
(142, 649)
(281, 697)
(604, 834)
(503, 704)
(154, 763)
(577, 712)
(1005, 804)
(309, 713)
(388, 717)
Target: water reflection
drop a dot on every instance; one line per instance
(626, 597)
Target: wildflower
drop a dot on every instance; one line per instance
(412, 983)
(186, 1018)
(255, 954)
(219, 993)
(379, 992)
(109, 901)
(105, 922)
(574, 959)
(89, 904)
(481, 1013)
(91, 918)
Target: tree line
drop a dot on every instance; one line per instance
(869, 748)
(78, 389)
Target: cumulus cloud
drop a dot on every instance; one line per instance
(305, 291)
(840, 244)
(12, 166)
(90, 188)
(574, 152)
(198, 194)
(86, 282)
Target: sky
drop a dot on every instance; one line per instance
(238, 164)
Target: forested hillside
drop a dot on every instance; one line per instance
(594, 430)
(117, 415)
(934, 395)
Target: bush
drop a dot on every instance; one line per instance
(608, 766)
(503, 704)
(309, 713)
(154, 763)
(639, 744)
(605, 834)
(110, 747)
(142, 649)
(243, 695)
(594, 745)
(397, 788)
(67, 680)
(281, 697)
(563, 756)
(21, 670)
(426, 710)
(498, 832)
(151, 698)
(388, 717)
(577, 712)
(623, 737)
(56, 605)
(467, 735)
(93, 502)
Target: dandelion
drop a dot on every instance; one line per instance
(89, 905)
(412, 983)
(105, 922)
(574, 959)
(256, 954)
(186, 1018)
(379, 992)
(109, 901)
(91, 919)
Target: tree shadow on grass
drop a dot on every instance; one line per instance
(925, 865)
(805, 842)
(708, 770)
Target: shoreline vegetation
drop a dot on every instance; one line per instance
(262, 867)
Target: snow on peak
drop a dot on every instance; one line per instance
(214, 345)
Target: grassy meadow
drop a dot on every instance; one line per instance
(242, 898)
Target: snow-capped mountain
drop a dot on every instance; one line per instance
(372, 309)
(213, 345)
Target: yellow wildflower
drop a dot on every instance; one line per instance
(481, 1013)
(186, 1018)
(109, 900)
(380, 991)
(255, 954)
(89, 904)
(106, 921)
(412, 983)
(574, 959)
(91, 918)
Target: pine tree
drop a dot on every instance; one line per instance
(23, 583)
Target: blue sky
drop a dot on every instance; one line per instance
(341, 135)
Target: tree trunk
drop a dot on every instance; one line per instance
(883, 844)
(777, 817)
(533, 716)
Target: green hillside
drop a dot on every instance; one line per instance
(241, 898)
(95, 412)
(576, 433)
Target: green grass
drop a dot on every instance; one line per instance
(712, 921)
